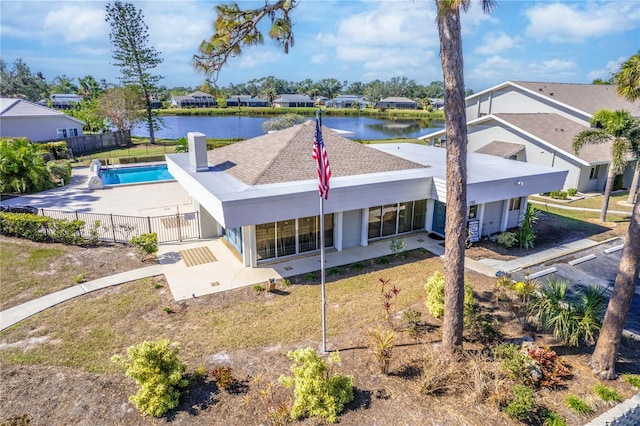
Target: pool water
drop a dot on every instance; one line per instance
(129, 175)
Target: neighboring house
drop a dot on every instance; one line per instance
(320, 100)
(20, 118)
(437, 103)
(293, 101)
(247, 101)
(65, 100)
(536, 123)
(261, 194)
(397, 102)
(346, 101)
(196, 99)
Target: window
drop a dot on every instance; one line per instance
(514, 204)
(473, 211)
(393, 219)
(62, 133)
(595, 172)
(73, 132)
(289, 237)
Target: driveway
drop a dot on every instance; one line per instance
(600, 270)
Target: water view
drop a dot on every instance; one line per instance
(248, 127)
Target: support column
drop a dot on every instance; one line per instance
(249, 255)
(337, 231)
(504, 219)
(364, 231)
(480, 218)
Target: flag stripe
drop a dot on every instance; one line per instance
(322, 161)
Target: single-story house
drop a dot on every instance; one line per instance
(293, 101)
(261, 194)
(346, 101)
(536, 123)
(397, 102)
(196, 99)
(21, 118)
(247, 100)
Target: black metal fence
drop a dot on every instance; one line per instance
(119, 228)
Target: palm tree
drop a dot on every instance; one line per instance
(448, 20)
(615, 127)
(627, 82)
(603, 360)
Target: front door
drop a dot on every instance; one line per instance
(439, 217)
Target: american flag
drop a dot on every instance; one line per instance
(320, 155)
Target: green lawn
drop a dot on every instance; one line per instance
(592, 201)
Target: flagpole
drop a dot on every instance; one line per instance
(322, 280)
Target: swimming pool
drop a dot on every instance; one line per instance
(130, 175)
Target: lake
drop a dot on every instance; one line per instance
(244, 127)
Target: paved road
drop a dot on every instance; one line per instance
(600, 270)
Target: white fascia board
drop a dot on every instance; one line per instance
(491, 89)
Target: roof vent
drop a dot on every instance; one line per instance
(198, 151)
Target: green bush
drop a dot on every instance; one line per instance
(578, 405)
(159, 373)
(25, 225)
(67, 232)
(572, 192)
(397, 246)
(22, 167)
(508, 239)
(60, 171)
(551, 418)
(318, 391)
(526, 234)
(513, 362)
(632, 379)
(58, 150)
(145, 244)
(523, 403)
(607, 394)
(558, 195)
(435, 296)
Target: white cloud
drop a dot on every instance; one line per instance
(77, 22)
(494, 43)
(393, 39)
(497, 69)
(561, 22)
(605, 73)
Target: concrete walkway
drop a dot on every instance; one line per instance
(20, 312)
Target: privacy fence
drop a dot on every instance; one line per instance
(95, 142)
(119, 228)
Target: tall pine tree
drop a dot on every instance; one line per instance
(129, 36)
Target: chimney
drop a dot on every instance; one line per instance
(198, 151)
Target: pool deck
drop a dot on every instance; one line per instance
(156, 199)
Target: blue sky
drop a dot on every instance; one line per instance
(559, 41)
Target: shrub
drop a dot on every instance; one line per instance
(145, 244)
(435, 296)
(78, 279)
(607, 394)
(25, 225)
(551, 418)
(514, 363)
(23, 169)
(335, 271)
(570, 320)
(67, 232)
(440, 374)
(387, 298)
(60, 171)
(522, 405)
(508, 239)
(632, 379)
(311, 276)
(526, 234)
(223, 377)
(554, 368)
(358, 266)
(58, 150)
(482, 327)
(384, 260)
(578, 405)
(397, 246)
(156, 368)
(318, 391)
(526, 289)
(258, 288)
(412, 318)
(572, 192)
(558, 195)
(382, 347)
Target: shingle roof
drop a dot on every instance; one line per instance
(559, 132)
(397, 99)
(589, 98)
(500, 149)
(12, 108)
(269, 158)
(293, 98)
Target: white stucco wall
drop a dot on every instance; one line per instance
(351, 228)
(492, 217)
